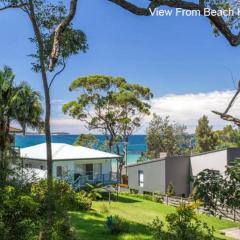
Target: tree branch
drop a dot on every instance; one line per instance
(57, 73)
(228, 117)
(13, 6)
(218, 21)
(57, 34)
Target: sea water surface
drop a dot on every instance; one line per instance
(136, 144)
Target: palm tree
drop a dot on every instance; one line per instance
(29, 102)
(18, 103)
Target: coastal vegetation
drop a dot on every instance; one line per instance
(112, 106)
(40, 210)
(206, 139)
(139, 213)
(19, 103)
(220, 193)
(55, 40)
(165, 136)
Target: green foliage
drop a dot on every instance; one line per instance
(117, 106)
(170, 190)
(62, 193)
(183, 224)
(63, 200)
(164, 136)
(82, 201)
(217, 191)
(19, 103)
(116, 224)
(86, 140)
(157, 197)
(228, 137)
(48, 16)
(19, 217)
(94, 191)
(206, 139)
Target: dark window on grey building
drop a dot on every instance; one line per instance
(59, 171)
(140, 178)
(28, 165)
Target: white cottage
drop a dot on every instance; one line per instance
(80, 164)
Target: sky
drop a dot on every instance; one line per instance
(189, 70)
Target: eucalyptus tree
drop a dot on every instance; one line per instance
(19, 103)
(86, 140)
(110, 105)
(47, 18)
(56, 40)
(164, 136)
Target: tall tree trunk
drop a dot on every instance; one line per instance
(47, 109)
(125, 145)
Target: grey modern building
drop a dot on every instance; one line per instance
(155, 175)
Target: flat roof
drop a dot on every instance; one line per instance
(213, 151)
(146, 162)
(181, 156)
(62, 151)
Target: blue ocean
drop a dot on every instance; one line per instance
(136, 144)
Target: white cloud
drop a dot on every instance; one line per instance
(184, 109)
(188, 108)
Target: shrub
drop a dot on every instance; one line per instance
(157, 228)
(82, 201)
(157, 197)
(170, 190)
(116, 224)
(133, 191)
(183, 224)
(62, 195)
(94, 191)
(18, 214)
(62, 200)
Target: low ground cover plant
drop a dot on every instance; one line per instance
(116, 224)
(155, 197)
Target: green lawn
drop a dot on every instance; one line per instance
(90, 225)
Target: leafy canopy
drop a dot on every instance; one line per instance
(49, 15)
(164, 136)
(109, 104)
(218, 192)
(206, 138)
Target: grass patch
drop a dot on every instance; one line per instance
(90, 225)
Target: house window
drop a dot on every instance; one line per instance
(41, 167)
(65, 171)
(59, 171)
(28, 165)
(140, 178)
(89, 171)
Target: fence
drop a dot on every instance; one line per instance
(176, 201)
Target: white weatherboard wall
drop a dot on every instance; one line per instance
(66, 165)
(212, 160)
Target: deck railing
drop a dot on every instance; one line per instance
(82, 180)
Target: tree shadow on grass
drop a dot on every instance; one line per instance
(92, 226)
(124, 199)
